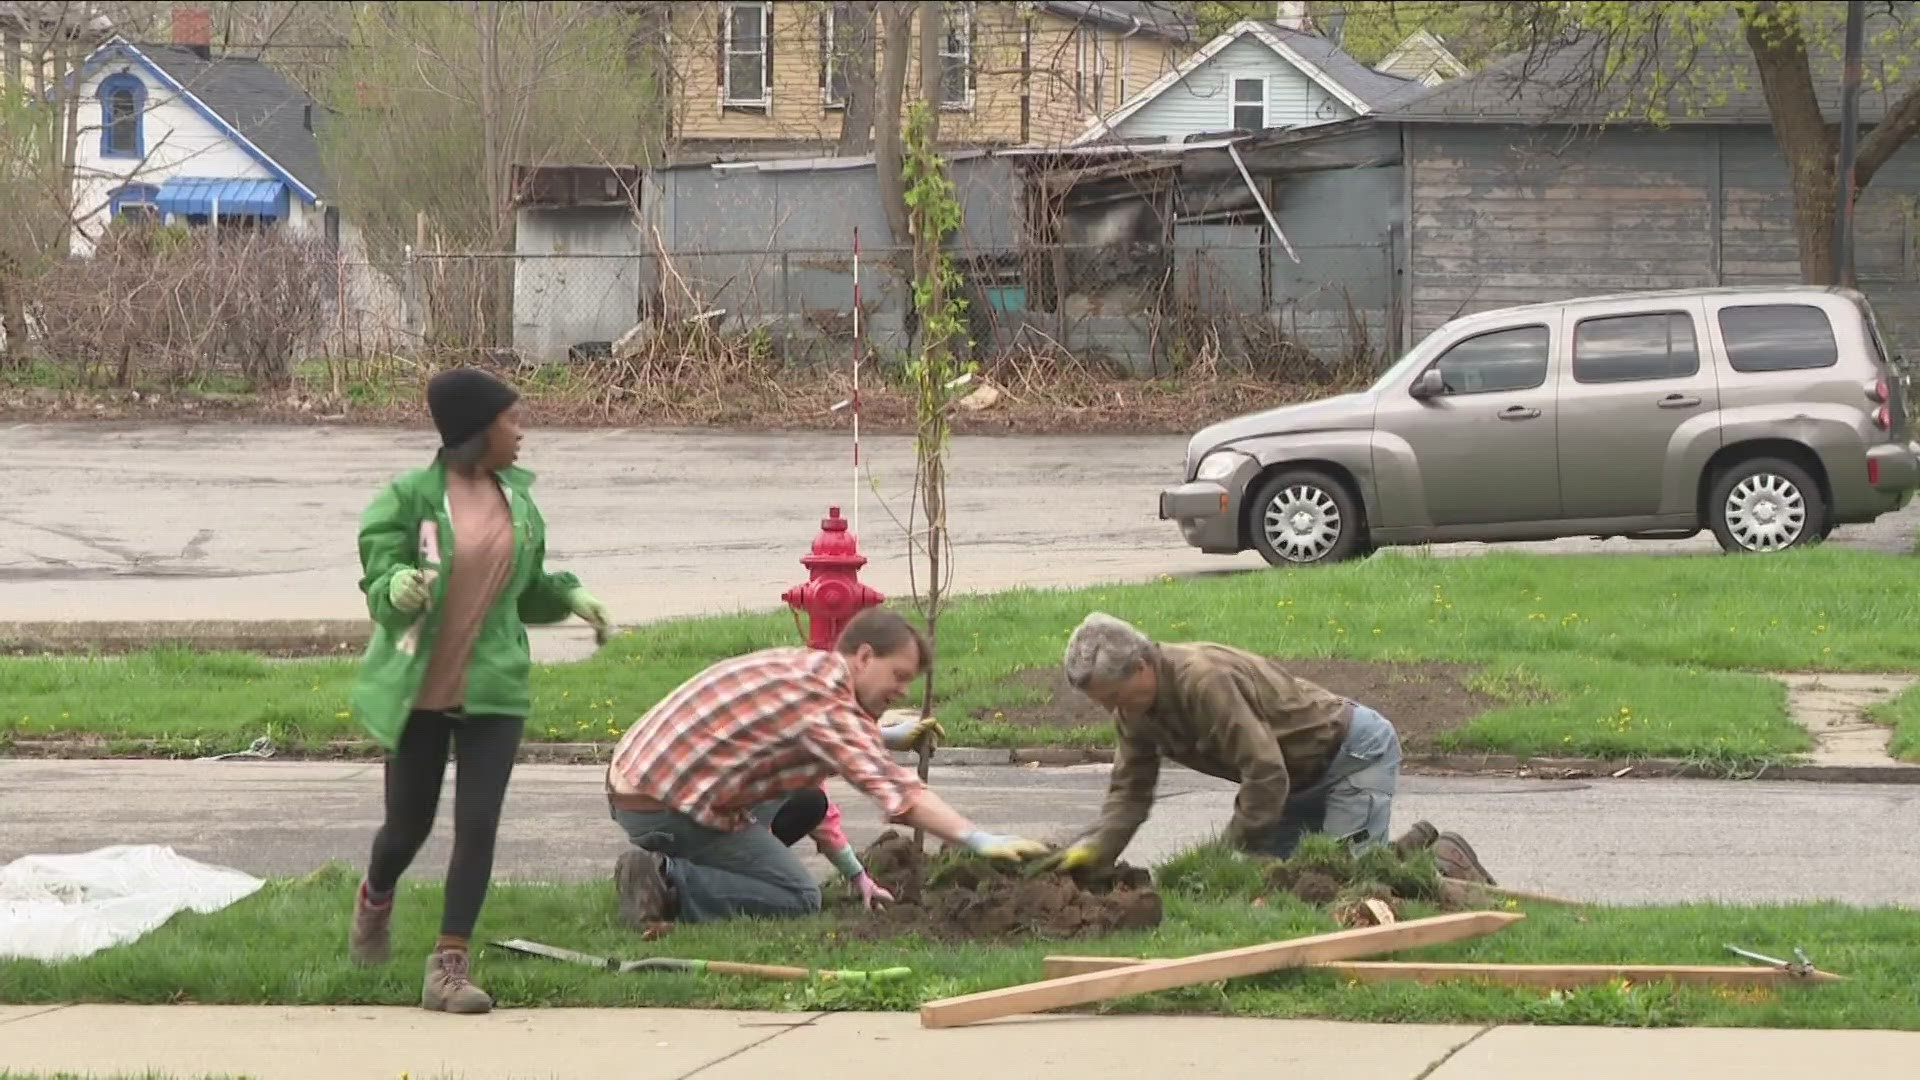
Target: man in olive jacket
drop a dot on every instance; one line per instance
(1307, 760)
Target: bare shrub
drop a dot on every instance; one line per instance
(172, 305)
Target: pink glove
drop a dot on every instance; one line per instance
(870, 890)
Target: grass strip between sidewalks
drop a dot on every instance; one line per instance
(286, 946)
(1591, 655)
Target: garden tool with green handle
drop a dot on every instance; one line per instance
(712, 967)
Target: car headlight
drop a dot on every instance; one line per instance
(1218, 465)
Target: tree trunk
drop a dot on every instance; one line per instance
(494, 155)
(1780, 53)
(13, 312)
(856, 120)
(889, 97)
(926, 271)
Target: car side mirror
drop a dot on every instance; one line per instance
(1430, 384)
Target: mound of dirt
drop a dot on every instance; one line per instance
(1345, 883)
(954, 896)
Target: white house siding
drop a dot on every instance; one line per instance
(1201, 101)
(178, 142)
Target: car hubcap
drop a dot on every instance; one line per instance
(1303, 523)
(1766, 512)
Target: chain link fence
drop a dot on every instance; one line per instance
(1139, 310)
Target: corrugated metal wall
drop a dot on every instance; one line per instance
(1504, 216)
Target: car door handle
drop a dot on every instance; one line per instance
(1518, 412)
(1678, 401)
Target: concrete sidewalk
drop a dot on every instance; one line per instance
(669, 1044)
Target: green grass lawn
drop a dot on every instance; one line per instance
(1903, 715)
(286, 946)
(1589, 655)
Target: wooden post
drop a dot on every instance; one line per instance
(1211, 967)
(1544, 976)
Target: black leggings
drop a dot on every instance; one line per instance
(799, 815)
(486, 746)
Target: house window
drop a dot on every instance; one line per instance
(1090, 71)
(746, 56)
(956, 58)
(839, 32)
(1249, 105)
(134, 201)
(123, 98)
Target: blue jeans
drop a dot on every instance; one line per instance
(1353, 800)
(722, 875)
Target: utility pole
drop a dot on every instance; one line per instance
(1849, 144)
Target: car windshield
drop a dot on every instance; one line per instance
(1415, 355)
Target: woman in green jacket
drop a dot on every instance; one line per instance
(453, 568)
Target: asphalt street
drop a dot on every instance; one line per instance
(1625, 841)
(126, 522)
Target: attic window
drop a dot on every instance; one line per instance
(123, 97)
(1249, 105)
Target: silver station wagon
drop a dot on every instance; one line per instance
(1767, 415)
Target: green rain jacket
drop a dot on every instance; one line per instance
(499, 666)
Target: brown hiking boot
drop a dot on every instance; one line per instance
(447, 988)
(1418, 837)
(368, 939)
(640, 878)
(1457, 860)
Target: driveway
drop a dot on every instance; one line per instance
(234, 521)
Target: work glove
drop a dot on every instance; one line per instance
(1073, 857)
(408, 589)
(583, 604)
(1002, 847)
(908, 734)
(870, 890)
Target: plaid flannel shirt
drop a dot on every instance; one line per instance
(755, 727)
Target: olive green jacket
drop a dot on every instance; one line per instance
(1228, 713)
(499, 666)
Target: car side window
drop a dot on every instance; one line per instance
(1635, 348)
(1513, 359)
(1778, 337)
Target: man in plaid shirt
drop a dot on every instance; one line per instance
(697, 781)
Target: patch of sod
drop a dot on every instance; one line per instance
(1560, 643)
(285, 946)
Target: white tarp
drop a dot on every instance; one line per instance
(60, 907)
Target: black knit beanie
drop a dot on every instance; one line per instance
(464, 401)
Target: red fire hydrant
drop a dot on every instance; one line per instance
(832, 594)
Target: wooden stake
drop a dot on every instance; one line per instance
(1545, 976)
(1211, 967)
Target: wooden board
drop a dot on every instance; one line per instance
(1547, 976)
(1211, 967)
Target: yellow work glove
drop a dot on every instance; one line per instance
(1002, 847)
(1084, 853)
(408, 590)
(583, 604)
(908, 734)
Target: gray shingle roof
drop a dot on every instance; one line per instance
(1720, 85)
(1376, 88)
(258, 101)
(1155, 18)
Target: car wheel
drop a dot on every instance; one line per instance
(1302, 517)
(1766, 504)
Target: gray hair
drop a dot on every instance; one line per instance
(466, 457)
(1104, 650)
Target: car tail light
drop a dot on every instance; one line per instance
(1873, 472)
(1882, 391)
(1883, 418)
